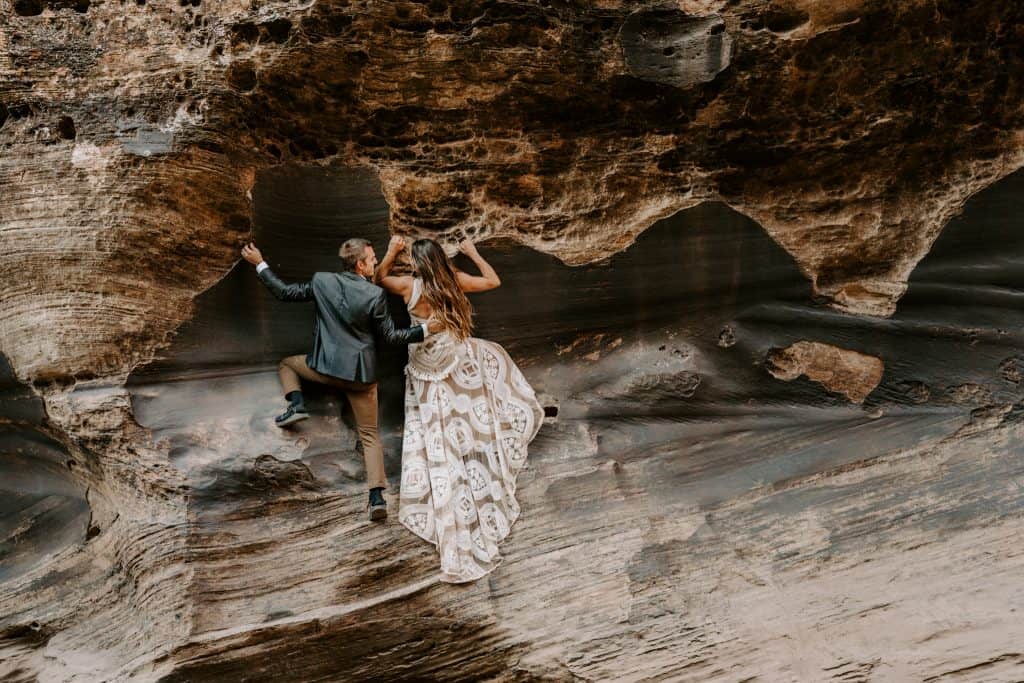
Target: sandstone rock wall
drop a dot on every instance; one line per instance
(687, 516)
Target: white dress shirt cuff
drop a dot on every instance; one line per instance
(261, 266)
(426, 330)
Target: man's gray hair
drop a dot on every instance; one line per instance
(353, 251)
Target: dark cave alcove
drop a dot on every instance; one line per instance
(684, 279)
(690, 281)
(688, 275)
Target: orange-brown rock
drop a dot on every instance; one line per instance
(846, 372)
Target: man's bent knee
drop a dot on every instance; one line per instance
(290, 380)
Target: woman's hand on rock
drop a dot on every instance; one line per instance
(396, 244)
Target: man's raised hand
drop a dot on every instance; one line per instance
(251, 254)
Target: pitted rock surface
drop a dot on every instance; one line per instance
(850, 132)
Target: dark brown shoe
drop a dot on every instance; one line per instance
(377, 508)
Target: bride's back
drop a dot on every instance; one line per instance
(419, 308)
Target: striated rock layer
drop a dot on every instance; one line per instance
(672, 193)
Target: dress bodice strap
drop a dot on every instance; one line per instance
(417, 291)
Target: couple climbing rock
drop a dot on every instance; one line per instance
(469, 412)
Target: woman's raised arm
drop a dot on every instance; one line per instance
(396, 284)
(487, 279)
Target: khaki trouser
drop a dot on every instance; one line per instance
(362, 397)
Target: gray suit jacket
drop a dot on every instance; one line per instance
(350, 313)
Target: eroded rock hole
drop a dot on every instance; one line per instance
(277, 30)
(244, 33)
(242, 77)
(31, 8)
(66, 128)
(727, 337)
(20, 111)
(781, 20)
(28, 8)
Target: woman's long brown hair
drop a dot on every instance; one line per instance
(441, 288)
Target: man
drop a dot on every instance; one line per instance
(350, 312)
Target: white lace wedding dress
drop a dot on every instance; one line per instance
(469, 416)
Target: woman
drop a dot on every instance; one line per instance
(469, 416)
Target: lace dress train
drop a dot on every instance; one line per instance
(469, 417)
